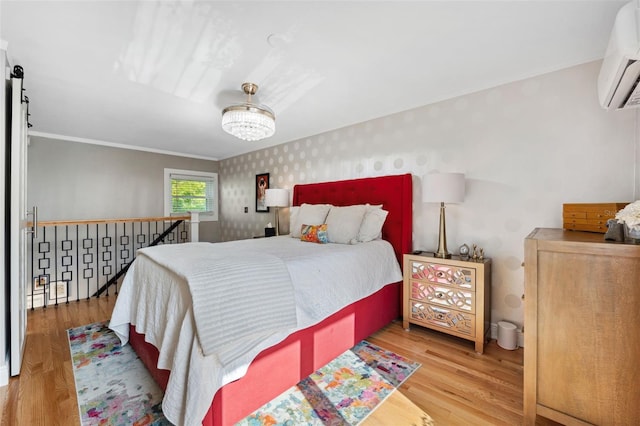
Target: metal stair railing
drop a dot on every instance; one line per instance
(80, 259)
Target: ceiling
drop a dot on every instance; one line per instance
(156, 75)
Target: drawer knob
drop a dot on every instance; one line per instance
(440, 316)
(439, 295)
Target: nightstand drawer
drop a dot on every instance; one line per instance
(461, 277)
(455, 321)
(444, 296)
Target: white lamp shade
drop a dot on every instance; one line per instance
(443, 188)
(276, 197)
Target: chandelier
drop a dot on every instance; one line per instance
(249, 121)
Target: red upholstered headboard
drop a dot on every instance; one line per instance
(393, 192)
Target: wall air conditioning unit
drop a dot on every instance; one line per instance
(618, 86)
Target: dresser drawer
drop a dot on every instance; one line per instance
(573, 215)
(589, 226)
(449, 319)
(603, 215)
(460, 277)
(574, 220)
(447, 297)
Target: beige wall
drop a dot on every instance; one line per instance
(526, 148)
(69, 180)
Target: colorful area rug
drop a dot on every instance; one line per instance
(115, 388)
(344, 392)
(112, 384)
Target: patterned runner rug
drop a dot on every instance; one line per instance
(113, 386)
(344, 392)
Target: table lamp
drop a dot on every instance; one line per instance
(276, 198)
(443, 188)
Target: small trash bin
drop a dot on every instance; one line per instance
(507, 335)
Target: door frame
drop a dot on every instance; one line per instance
(18, 224)
(4, 283)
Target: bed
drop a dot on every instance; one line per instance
(283, 364)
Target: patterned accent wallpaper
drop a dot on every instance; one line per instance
(526, 148)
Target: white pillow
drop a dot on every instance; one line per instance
(343, 223)
(371, 227)
(308, 214)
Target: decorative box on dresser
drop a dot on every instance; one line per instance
(582, 344)
(448, 295)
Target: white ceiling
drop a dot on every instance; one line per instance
(156, 75)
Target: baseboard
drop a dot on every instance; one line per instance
(494, 334)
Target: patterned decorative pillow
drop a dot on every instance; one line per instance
(308, 214)
(314, 233)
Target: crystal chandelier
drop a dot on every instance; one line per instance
(249, 121)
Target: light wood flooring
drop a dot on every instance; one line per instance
(454, 386)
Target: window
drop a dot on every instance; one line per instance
(191, 191)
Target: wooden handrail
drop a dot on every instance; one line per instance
(99, 221)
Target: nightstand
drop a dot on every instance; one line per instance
(448, 295)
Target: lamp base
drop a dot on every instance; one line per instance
(442, 252)
(442, 255)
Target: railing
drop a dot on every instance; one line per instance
(74, 260)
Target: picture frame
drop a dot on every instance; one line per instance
(262, 184)
(40, 283)
(58, 289)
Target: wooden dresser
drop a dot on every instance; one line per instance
(448, 295)
(582, 343)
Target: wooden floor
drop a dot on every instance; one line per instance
(45, 392)
(454, 386)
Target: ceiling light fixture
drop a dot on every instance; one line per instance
(249, 121)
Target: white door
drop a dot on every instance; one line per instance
(18, 225)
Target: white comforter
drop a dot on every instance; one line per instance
(326, 277)
(219, 279)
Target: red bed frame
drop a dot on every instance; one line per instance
(281, 366)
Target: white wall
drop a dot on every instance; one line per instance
(526, 148)
(70, 180)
